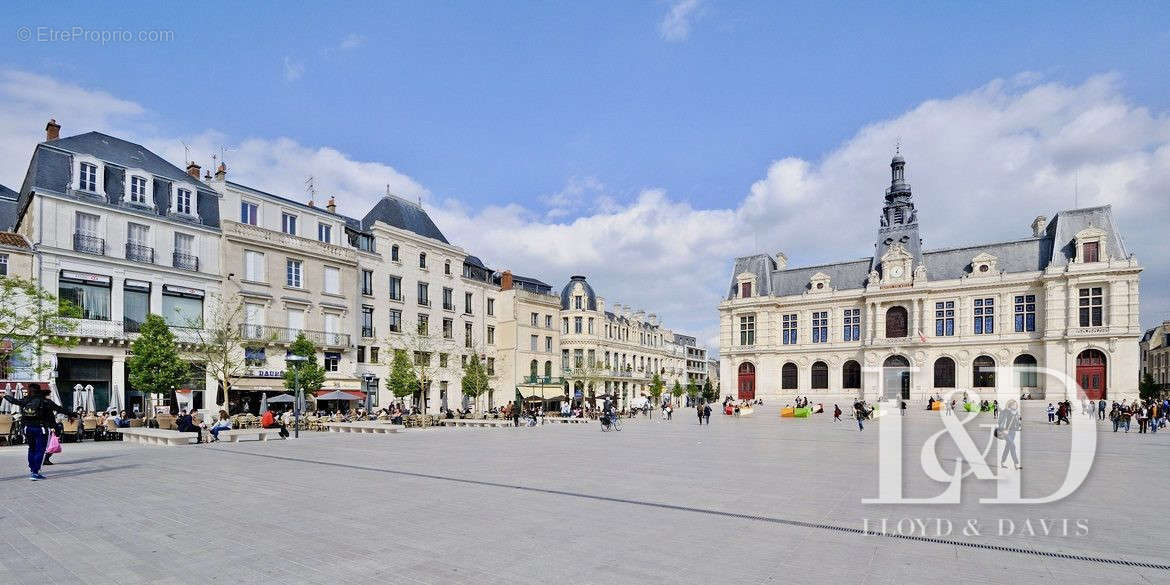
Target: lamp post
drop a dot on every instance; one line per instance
(298, 399)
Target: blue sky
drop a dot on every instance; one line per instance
(572, 111)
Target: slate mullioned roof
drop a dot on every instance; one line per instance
(590, 296)
(400, 213)
(1055, 247)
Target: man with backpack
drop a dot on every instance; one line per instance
(38, 416)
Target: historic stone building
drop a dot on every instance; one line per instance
(1155, 354)
(919, 322)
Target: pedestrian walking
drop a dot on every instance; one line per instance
(707, 414)
(1051, 413)
(699, 412)
(1006, 430)
(37, 416)
(859, 412)
(836, 413)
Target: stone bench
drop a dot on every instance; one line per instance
(147, 436)
(375, 428)
(477, 422)
(261, 434)
(566, 420)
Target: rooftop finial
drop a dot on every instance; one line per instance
(898, 146)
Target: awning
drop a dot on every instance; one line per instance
(259, 385)
(282, 398)
(341, 395)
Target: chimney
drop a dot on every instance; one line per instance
(193, 170)
(221, 172)
(781, 261)
(506, 280)
(52, 130)
(331, 206)
(1038, 226)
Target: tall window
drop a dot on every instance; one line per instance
(1090, 251)
(293, 273)
(534, 319)
(820, 376)
(448, 299)
(747, 330)
(851, 326)
(944, 372)
(1025, 313)
(533, 343)
(745, 290)
(448, 329)
(395, 288)
(577, 302)
(788, 331)
(422, 260)
(395, 321)
(332, 278)
(491, 335)
(423, 298)
(88, 178)
(467, 303)
(851, 375)
(325, 233)
(491, 307)
(1091, 301)
(446, 267)
(394, 252)
(944, 319)
(788, 376)
(424, 324)
(984, 316)
(367, 321)
(467, 337)
(983, 372)
(288, 223)
(367, 282)
(1025, 367)
(254, 266)
(590, 329)
(183, 201)
(820, 328)
(896, 322)
(248, 212)
(138, 190)
(577, 328)
(3, 264)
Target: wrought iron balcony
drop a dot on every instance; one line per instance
(89, 244)
(186, 262)
(288, 335)
(367, 332)
(139, 253)
(448, 306)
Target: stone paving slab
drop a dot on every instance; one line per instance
(751, 500)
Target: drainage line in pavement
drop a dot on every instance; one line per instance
(769, 519)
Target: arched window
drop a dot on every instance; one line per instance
(788, 376)
(533, 369)
(896, 322)
(851, 375)
(548, 369)
(1025, 367)
(944, 372)
(820, 376)
(983, 372)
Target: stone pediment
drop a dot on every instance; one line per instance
(984, 264)
(819, 283)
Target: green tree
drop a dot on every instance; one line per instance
(155, 364)
(30, 319)
(402, 380)
(656, 387)
(676, 390)
(475, 379)
(709, 393)
(309, 373)
(1148, 388)
(693, 391)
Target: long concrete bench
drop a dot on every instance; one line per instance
(477, 422)
(261, 434)
(375, 428)
(146, 436)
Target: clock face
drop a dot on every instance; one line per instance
(896, 272)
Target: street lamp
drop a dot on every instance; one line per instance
(299, 400)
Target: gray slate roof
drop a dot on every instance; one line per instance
(590, 296)
(1056, 247)
(9, 201)
(400, 213)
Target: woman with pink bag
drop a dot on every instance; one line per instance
(37, 415)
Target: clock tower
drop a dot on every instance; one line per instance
(898, 251)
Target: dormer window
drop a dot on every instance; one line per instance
(288, 224)
(745, 290)
(138, 190)
(1089, 245)
(87, 177)
(183, 201)
(325, 233)
(1090, 252)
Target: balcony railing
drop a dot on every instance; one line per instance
(186, 261)
(448, 306)
(139, 253)
(89, 244)
(368, 332)
(289, 335)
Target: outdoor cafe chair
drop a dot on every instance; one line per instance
(7, 426)
(71, 428)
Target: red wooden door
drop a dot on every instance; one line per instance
(747, 381)
(1091, 374)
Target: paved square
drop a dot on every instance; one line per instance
(751, 500)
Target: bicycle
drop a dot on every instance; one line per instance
(611, 422)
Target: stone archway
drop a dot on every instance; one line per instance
(747, 381)
(1091, 371)
(896, 378)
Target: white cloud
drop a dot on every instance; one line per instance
(352, 41)
(293, 70)
(983, 164)
(675, 26)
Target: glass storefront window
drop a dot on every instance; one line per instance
(92, 300)
(135, 307)
(182, 311)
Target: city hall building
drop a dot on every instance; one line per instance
(914, 322)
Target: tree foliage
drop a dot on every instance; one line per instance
(220, 341)
(155, 364)
(709, 393)
(656, 386)
(309, 373)
(677, 390)
(1147, 388)
(475, 379)
(30, 319)
(402, 380)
